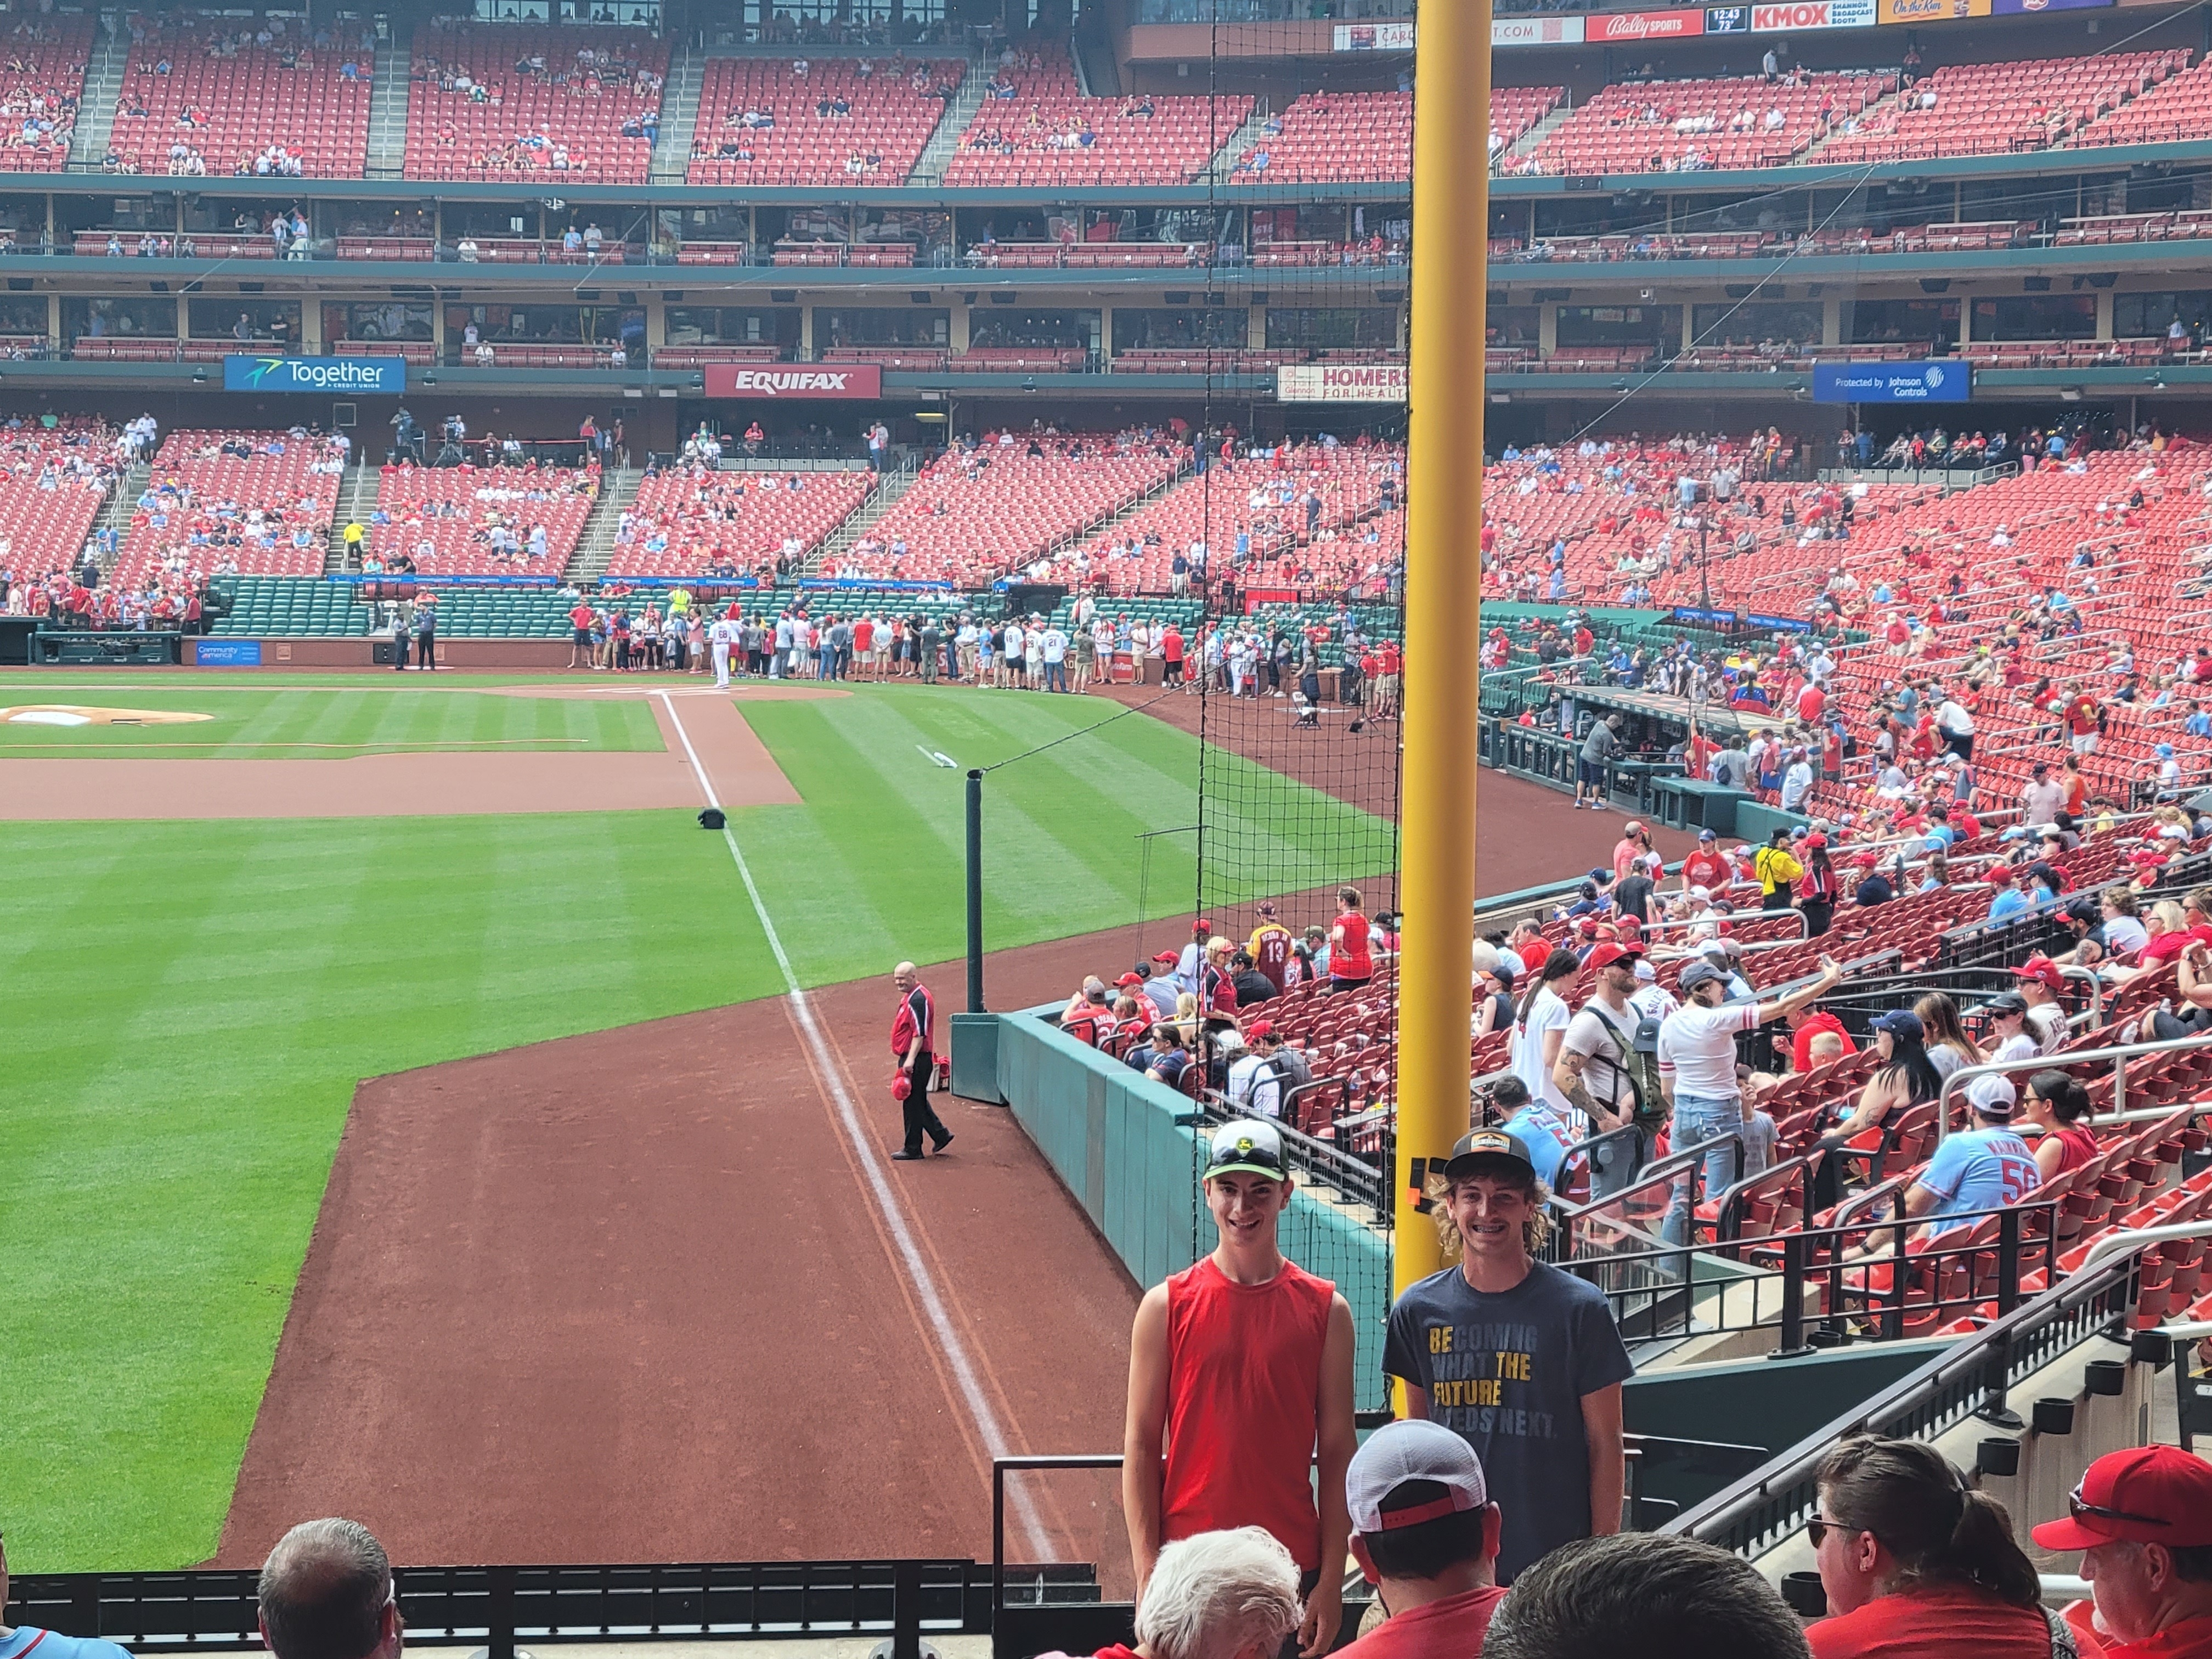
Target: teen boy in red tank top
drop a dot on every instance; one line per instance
(1240, 1372)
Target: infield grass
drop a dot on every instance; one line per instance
(189, 1006)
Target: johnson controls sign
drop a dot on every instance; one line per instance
(850, 380)
(1340, 383)
(1947, 382)
(338, 376)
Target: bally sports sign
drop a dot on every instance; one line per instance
(1340, 383)
(858, 380)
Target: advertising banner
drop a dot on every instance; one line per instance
(2013, 8)
(1548, 31)
(1794, 16)
(347, 377)
(1943, 382)
(227, 653)
(1340, 383)
(1644, 25)
(1928, 11)
(1374, 37)
(812, 380)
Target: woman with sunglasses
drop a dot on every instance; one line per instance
(2056, 1103)
(1915, 1563)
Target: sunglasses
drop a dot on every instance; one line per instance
(2077, 1507)
(1817, 1530)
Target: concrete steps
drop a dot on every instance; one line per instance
(595, 546)
(877, 501)
(122, 505)
(95, 110)
(944, 142)
(679, 115)
(356, 501)
(387, 112)
(1224, 165)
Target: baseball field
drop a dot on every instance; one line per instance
(227, 903)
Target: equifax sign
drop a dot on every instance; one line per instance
(857, 381)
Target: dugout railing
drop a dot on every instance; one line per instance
(901, 1602)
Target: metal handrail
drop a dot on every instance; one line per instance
(2060, 1062)
(1986, 1355)
(2134, 1239)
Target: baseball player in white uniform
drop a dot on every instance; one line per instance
(718, 635)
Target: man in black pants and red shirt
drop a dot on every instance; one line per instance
(914, 1044)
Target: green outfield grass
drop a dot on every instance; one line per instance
(251, 723)
(191, 1004)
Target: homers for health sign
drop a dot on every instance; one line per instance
(1340, 383)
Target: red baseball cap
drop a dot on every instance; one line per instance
(2147, 1494)
(2044, 971)
(1259, 1028)
(1606, 955)
(1166, 955)
(1201, 926)
(1128, 979)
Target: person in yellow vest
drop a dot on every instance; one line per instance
(1776, 868)
(353, 533)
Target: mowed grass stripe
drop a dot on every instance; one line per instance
(1062, 853)
(187, 1023)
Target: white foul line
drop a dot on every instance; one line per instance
(881, 1189)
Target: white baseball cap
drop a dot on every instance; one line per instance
(1412, 1448)
(1993, 1096)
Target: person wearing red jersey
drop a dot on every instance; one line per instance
(913, 1033)
(1270, 946)
(1916, 1562)
(1389, 665)
(1350, 945)
(2079, 711)
(1425, 1535)
(1811, 701)
(1240, 1383)
(2143, 1519)
(580, 618)
(1171, 655)
(1634, 843)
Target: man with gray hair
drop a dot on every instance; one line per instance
(1230, 1594)
(326, 1593)
(1227, 1595)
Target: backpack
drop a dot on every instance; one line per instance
(1642, 1070)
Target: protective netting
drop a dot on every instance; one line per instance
(1285, 544)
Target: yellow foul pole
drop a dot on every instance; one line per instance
(1451, 216)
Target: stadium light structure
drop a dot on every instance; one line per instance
(1444, 591)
